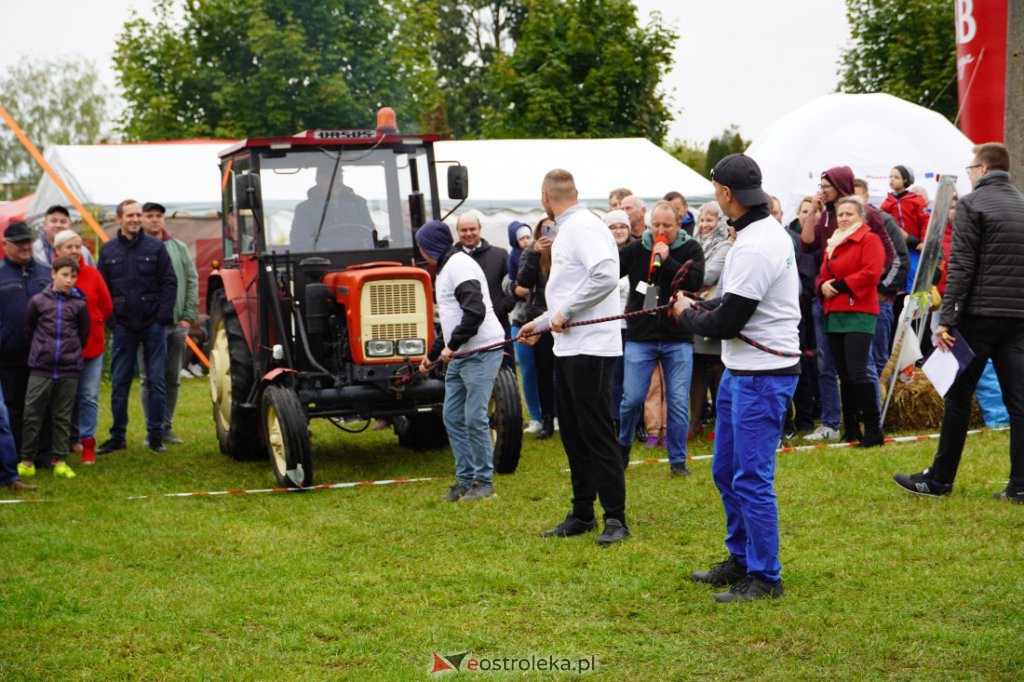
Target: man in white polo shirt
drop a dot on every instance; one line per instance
(584, 285)
(760, 300)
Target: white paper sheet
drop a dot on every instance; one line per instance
(941, 369)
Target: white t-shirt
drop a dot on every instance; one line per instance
(583, 241)
(761, 266)
(462, 268)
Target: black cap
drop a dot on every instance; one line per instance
(742, 175)
(18, 231)
(57, 208)
(153, 206)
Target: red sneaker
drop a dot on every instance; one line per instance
(88, 451)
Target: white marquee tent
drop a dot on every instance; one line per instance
(504, 175)
(871, 134)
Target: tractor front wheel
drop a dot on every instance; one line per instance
(285, 429)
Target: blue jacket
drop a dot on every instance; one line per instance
(58, 325)
(141, 280)
(18, 284)
(516, 253)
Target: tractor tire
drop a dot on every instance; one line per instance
(285, 430)
(505, 413)
(421, 431)
(231, 377)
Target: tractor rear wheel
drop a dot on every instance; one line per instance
(421, 431)
(231, 377)
(505, 413)
(285, 429)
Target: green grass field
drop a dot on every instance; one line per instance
(365, 583)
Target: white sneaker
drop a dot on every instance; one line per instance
(533, 427)
(556, 423)
(823, 433)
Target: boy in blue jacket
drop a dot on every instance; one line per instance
(57, 321)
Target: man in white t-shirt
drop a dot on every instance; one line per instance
(467, 322)
(584, 285)
(760, 302)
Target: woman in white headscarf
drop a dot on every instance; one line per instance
(712, 234)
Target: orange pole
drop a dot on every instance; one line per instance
(86, 216)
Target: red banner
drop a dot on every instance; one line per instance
(981, 67)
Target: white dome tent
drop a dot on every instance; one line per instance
(870, 134)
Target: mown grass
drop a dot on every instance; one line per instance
(364, 583)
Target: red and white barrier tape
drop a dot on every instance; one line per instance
(824, 446)
(26, 501)
(325, 486)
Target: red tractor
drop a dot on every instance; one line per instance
(320, 304)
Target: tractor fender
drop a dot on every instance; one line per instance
(230, 280)
(275, 375)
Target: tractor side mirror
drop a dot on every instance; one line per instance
(458, 183)
(247, 191)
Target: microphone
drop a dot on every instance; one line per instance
(656, 258)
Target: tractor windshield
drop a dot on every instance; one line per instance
(339, 199)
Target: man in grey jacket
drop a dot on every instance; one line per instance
(983, 309)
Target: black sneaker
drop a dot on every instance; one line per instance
(571, 526)
(922, 484)
(455, 492)
(1006, 495)
(156, 445)
(111, 445)
(478, 491)
(751, 588)
(614, 531)
(728, 572)
(679, 469)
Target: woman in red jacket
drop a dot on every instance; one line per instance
(100, 306)
(850, 271)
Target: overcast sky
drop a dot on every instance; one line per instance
(738, 61)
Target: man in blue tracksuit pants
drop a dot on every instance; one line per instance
(760, 301)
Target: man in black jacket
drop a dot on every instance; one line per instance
(493, 260)
(985, 307)
(656, 337)
(142, 283)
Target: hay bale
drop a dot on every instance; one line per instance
(917, 406)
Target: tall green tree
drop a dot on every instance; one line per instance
(728, 142)
(227, 68)
(583, 68)
(906, 48)
(59, 101)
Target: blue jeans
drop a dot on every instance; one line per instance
(89, 397)
(828, 380)
(880, 348)
(172, 380)
(640, 358)
(528, 373)
(751, 411)
(8, 450)
(468, 383)
(122, 370)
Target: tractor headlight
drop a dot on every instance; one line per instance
(408, 347)
(380, 348)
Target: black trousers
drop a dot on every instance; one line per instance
(1001, 339)
(583, 388)
(14, 379)
(851, 352)
(806, 403)
(544, 360)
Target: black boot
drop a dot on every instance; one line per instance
(851, 412)
(873, 436)
(547, 428)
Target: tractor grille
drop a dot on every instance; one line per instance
(392, 299)
(393, 332)
(393, 309)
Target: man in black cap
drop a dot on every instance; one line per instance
(760, 299)
(186, 303)
(57, 220)
(21, 278)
